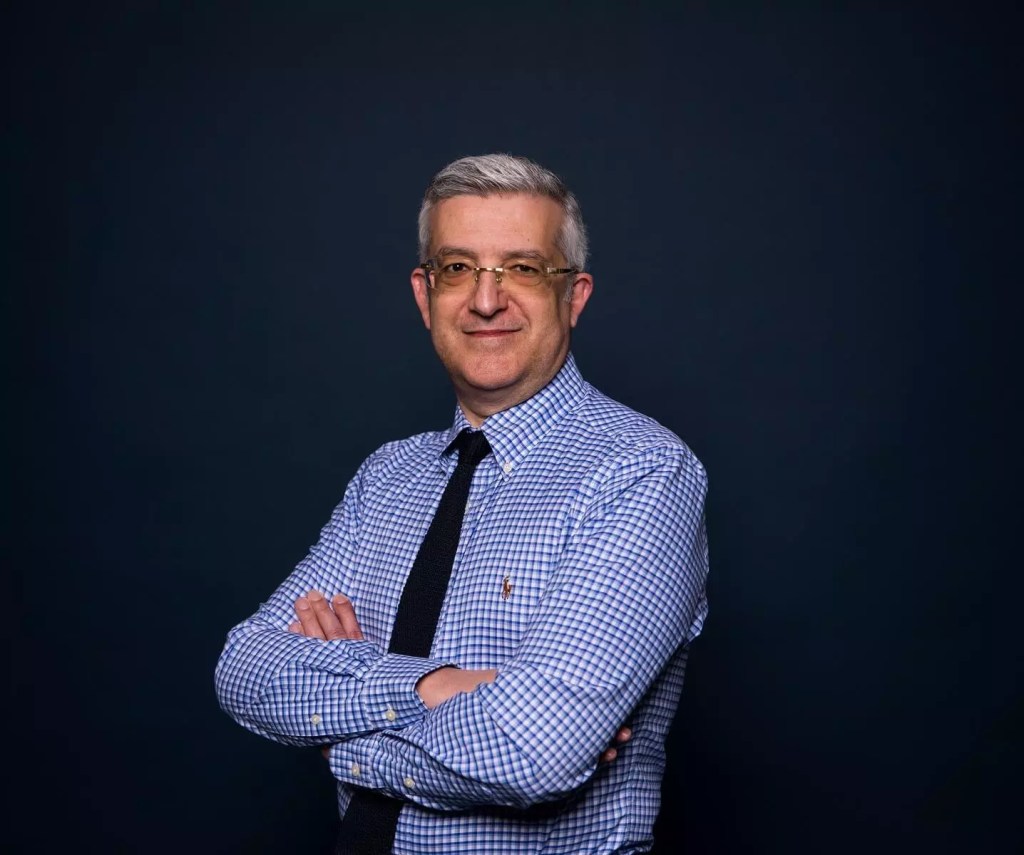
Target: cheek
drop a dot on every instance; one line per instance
(552, 317)
(443, 326)
(439, 317)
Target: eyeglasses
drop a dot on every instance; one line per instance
(455, 274)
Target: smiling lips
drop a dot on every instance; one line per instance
(489, 333)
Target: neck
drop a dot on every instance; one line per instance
(476, 408)
(479, 404)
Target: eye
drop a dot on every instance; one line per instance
(524, 270)
(454, 268)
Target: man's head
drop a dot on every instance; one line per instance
(502, 333)
(506, 174)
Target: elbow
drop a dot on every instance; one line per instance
(246, 668)
(235, 694)
(554, 778)
(564, 780)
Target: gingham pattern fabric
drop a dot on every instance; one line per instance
(580, 576)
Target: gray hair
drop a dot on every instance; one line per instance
(490, 174)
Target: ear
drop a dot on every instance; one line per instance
(582, 286)
(421, 293)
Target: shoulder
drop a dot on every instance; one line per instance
(604, 450)
(399, 455)
(621, 436)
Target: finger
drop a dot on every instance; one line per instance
(295, 626)
(325, 615)
(624, 735)
(310, 624)
(346, 614)
(609, 755)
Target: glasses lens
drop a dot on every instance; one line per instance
(452, 273)
(524, 273)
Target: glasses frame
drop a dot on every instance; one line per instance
(430, 266)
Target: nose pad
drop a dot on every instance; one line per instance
(488, 299)
(497, 271)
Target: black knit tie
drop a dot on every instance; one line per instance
(368, 827)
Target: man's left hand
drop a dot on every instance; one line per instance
(327, 620)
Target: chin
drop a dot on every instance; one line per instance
(493, 373)
(490, 381)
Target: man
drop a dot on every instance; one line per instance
(534, 717)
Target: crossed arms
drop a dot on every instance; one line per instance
(336, 619)
(626, 596)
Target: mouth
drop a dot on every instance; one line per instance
(488, 333)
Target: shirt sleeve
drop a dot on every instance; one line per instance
(306, 691)
(628, 592)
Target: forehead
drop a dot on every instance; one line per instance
(497, 223)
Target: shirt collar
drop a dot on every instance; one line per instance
(512, 433)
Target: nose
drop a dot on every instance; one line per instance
(489, 297)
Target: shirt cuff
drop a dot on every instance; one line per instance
(354, 762)
(389, 694)
(364, 762)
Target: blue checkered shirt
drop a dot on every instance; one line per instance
(580, 576)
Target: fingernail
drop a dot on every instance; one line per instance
(302, 604)
(315, 595)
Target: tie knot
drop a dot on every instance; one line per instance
(472, 446)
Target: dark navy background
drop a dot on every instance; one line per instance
(803, 222)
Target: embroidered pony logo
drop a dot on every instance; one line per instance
(506, 587)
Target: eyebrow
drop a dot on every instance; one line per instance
(514, 253)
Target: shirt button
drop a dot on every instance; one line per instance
(316, 718)
(409, 783)
(506, 467)
(390, 715)
(356, 771)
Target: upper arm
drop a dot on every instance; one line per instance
(620, 598)
(627, 592)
